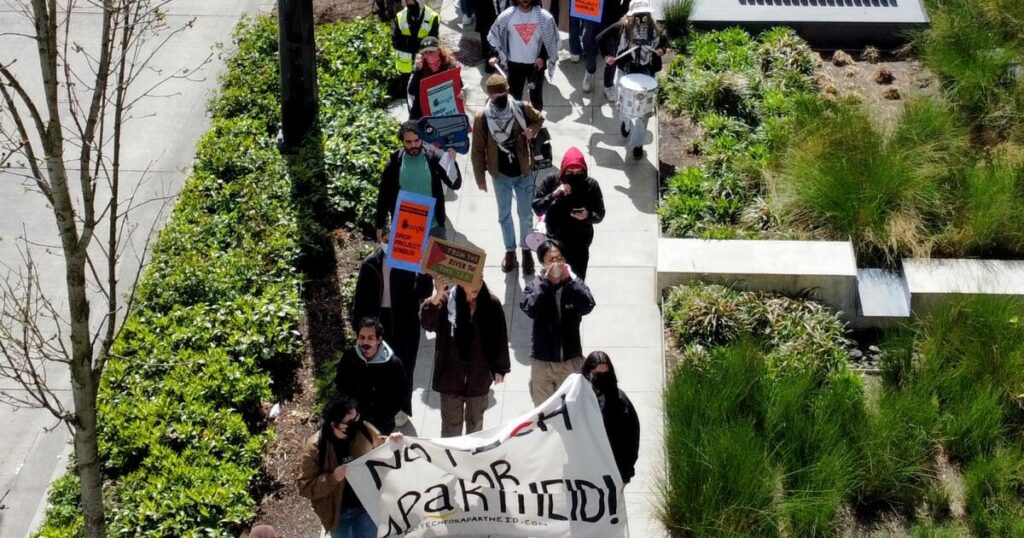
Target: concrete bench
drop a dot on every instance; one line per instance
(933, 282)
(824, 23)
(825, 269)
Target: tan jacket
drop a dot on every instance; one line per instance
(319, 486)
(484, 151)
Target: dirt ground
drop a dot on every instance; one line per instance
(282, 507)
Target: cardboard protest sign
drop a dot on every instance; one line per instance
(548, 473)
(462, 263)
(410, 227)
(586, 9)
(445, 131)
(441, 94)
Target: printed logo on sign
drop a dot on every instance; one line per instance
(525, 30)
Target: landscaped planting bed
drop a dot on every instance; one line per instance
(214, 337)
(769, 433)
(786, 155)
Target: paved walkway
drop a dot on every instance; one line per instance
(626, 322)
(162, 139)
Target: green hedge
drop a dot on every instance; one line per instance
(181, 429)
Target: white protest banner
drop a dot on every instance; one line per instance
(549, 473)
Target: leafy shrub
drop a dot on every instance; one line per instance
(736, 89)
(799, 335)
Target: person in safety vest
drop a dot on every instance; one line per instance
(411, 25)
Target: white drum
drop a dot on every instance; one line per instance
(637, 93)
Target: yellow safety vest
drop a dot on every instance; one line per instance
(403, 60)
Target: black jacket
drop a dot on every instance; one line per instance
(472, 375)
(557, 211)
(407, 290)
(556, 317)
(623, 428)
(390, 185)
(379, 389)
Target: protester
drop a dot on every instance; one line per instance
(419, 169)
(372, 374)
(620, 419)
(433, 59)
(639, 41)
(392, 296)
(571, 203)
(486, 12)
(583, 42)
(470, 353)
(410, 26)
(525, 39)
(501, 146)
(343, 437)
(556, 301)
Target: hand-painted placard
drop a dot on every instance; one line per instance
(410, 228)
(586, 9)
(462, 263)
(445, 131)
(441, 94)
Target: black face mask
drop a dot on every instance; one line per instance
(500, 102)
(575, 177)
(603, 383)
(641, 19)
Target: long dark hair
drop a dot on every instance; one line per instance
(463, 322)
(335, 412)
(595, 359)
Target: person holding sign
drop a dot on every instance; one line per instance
(419, 169)
(526, 39)
(501, 135)
(635, 45)
(556, 301)
(620, 420)
(343, 437)
(470, 353)
(433, 59)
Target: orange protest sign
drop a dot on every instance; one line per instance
(586, 9)
(409, 229)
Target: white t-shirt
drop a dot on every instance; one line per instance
(524, 36)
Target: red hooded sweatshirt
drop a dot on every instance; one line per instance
(572, 157)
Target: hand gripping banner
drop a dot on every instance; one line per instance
(549, 473)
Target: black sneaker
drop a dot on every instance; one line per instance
(638, 153)
(623, 130)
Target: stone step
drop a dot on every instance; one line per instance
(931, 283)
(883, 298)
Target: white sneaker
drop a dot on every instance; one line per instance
(574, 58)
(467, 20)
(609, 94)
(588, 81)
(401, 419)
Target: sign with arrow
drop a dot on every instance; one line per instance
(463, 264)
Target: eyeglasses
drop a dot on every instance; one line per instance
(350, 422)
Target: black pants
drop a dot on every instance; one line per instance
(576, 254)
(404, 338)
(521, 74)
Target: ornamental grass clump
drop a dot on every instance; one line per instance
(841, 177)
(990, 221)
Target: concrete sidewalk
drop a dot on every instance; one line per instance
(159, 147)
(626, 322)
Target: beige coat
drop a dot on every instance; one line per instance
(319, 486)
(484, 150)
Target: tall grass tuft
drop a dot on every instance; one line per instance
(843, 178)
(677, 18)
(991, 221)
(994, 486)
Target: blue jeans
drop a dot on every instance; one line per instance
(355, 523)
(522, 187)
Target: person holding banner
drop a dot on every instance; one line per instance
(556, 301)
(634, 45)
(433, 59)
(571, 203)
(525, 37)
(501, 134)
(420, 169)
(470, 353)
(372, 374)
(617, 411)
(343, 437)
